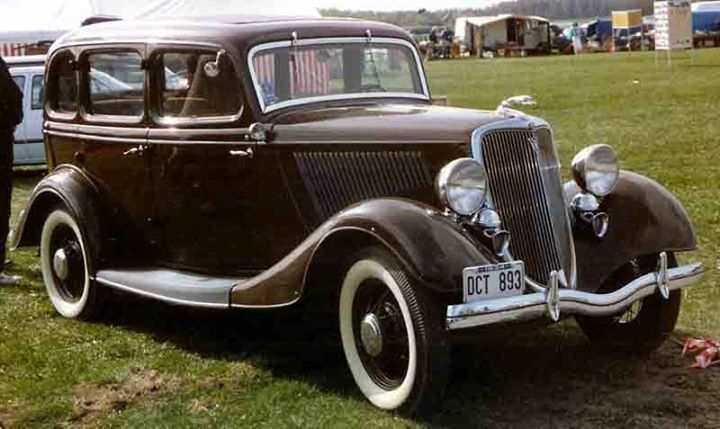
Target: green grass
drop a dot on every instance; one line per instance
(151, 365)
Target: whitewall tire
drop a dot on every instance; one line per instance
(394, 345)
(64, 262)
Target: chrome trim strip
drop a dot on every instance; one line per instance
(339, 142)
(81, 136)
(534, 305)
(129, 140)
(265, 307)
(160, 297)
(335, 40)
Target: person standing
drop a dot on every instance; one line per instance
(576, 38)
(11, 114)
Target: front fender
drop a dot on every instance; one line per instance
(645, 218)
(66, 186)
(432, 248)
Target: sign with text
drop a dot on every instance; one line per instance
(673, 25)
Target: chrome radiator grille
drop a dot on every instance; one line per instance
(525, 188)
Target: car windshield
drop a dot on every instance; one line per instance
(296, 74)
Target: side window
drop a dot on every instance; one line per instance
(189, 91)
(63, 96)
(116, 81)
(36, 92)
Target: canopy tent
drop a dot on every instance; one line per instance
(30, 22)
(507, 32)
(600, 27)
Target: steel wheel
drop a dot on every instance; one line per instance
(64, 263)
(383, 343)
(391, 334)
(643, 326)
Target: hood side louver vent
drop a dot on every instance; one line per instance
(336, 180)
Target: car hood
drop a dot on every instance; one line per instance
(392, 123)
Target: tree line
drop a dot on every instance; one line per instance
(552, 9)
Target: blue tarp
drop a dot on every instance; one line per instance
(706, 21)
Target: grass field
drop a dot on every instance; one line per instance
(150, 365)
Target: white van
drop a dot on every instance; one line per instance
(28, 74)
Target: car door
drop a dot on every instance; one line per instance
(113, 132)
(221, 202)
(19, 147)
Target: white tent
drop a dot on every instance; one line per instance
(32, 21)
(480, 33)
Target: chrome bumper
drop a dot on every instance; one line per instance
(555, 301)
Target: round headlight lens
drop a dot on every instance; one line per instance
(596, 169)
(461, 185)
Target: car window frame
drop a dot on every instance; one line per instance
(50, 82)
(84, 84)
(41, 102)
(155, 92)
(257, 94)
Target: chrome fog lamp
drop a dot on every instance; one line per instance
(461, 186)
(596, 169)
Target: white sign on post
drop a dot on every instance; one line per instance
(673, 25)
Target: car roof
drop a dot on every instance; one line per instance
(25, 60)
(240, 32)
(26, 69)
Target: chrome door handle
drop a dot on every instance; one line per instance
(242, 153)
(135, 151)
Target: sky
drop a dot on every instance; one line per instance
(389, 5)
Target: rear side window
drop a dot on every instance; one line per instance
(189, 90)
(63, 96)
(36, 92)
(116, 84)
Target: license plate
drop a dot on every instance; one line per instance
(493, 281)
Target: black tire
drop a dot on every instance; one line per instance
(643, 327)
(408, 371)
(69, 285)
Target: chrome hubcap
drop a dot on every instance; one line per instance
(371, 335)
(60, 264)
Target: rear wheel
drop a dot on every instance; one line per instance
(64, 262)
(643, 326)
(392, 335)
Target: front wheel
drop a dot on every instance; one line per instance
(392, 335)
(65, 269)
(643, 326)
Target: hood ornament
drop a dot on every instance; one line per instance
(506, 106)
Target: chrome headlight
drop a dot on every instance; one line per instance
(596, 169)
(461, 186)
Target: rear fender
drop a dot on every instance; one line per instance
(431, 247)
(66, 187)
(645, 218)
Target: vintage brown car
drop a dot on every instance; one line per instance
(261, 163)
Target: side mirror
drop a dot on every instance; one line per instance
(258, 132)
(212, 68)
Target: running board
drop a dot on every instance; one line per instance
(176, 287)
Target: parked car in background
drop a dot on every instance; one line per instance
(28, 72)
(301, 161)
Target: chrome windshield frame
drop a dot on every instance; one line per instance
(425, 96)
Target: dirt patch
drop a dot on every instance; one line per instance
(578, 385)
(92, 401)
